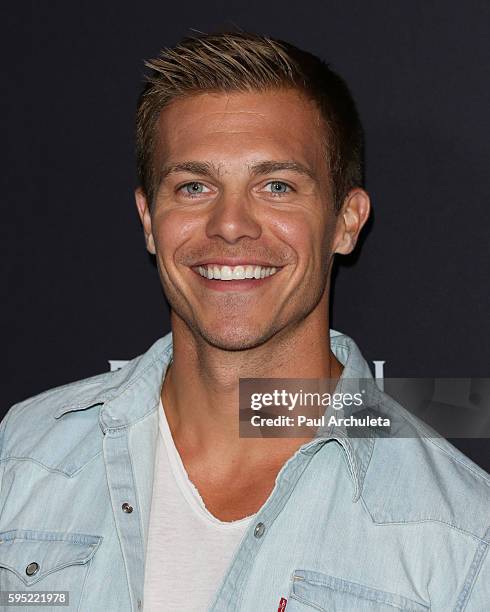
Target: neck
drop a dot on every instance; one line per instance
(200, 390)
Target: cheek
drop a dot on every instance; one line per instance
(305, 234)
(172, 229)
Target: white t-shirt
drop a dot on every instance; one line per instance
(189, 549)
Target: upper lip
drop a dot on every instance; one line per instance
(236, 261)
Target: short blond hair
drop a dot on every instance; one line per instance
(239, 61)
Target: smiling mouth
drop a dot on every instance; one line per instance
(233, 273)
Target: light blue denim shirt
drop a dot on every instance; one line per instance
(352, 525)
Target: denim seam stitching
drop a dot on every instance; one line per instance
(138, 508)
(82, 467)
(472, 575)
(426, 520)
(52, 469)
(82, 593)
(368, 593)
(118, 531)
(485, 479)
(49, 469)
(306, 602)
(140, 375)
(81, 539)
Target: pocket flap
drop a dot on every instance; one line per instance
(329, 593)
(33, 554)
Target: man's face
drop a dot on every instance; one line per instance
(244, 190)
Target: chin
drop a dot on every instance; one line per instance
(236, 339)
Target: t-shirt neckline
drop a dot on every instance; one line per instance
(186, 486)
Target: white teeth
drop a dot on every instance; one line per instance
(238, 272)
(241, 272)
(226, 273)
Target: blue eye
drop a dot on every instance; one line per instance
(194, 188)
(278, 187)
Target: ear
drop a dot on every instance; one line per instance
(145, 216)
(351, 218)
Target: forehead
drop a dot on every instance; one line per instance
(241, 125)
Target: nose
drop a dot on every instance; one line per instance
(232, 218)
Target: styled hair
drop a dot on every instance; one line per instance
(246, 62)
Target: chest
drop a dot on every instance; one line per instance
(232, 499)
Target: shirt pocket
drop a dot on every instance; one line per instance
(32, 560)
(315, 591)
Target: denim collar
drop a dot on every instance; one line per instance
(132, 393)
(356, 372)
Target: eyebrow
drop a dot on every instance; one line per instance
(268, 167)
(194, 167)
(257, 169)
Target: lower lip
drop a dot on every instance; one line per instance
(235, 285)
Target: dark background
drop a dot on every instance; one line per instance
(80, 288)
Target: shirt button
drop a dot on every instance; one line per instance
(259, 530)
(32, 568)
(127, 507)
(139, 604)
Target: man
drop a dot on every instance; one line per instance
(134, 488)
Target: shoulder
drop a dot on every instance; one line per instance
(423, 477)
(30, 429)
(33, 429)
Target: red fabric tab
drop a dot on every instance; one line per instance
(282, 605)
